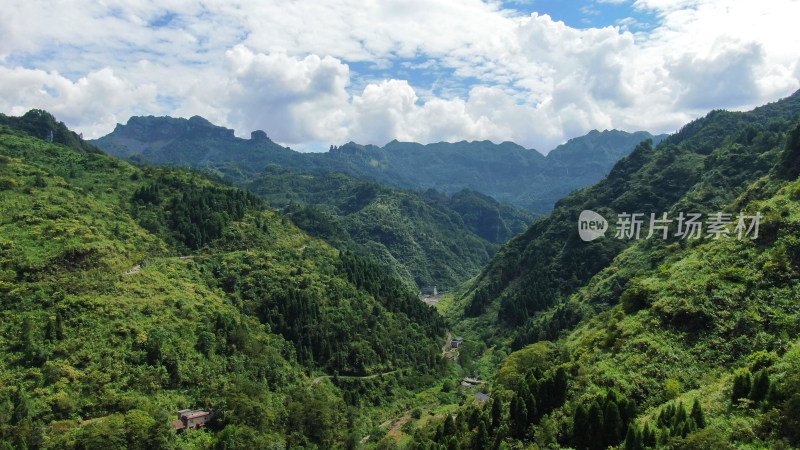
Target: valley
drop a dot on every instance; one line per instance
(388, 225)
(296, 311)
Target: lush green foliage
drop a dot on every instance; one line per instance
(652, 343)
(128, 294)
(426, 240)
(701, 169)
(664, 324)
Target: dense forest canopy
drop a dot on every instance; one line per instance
(130, 293)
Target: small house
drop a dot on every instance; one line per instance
(191, 418)
(482, 397)
(456, 342)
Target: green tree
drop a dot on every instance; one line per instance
(697, 414)
(482, 436)
(649, 438)
(741, 385)
(21, 406)
(612, 424)
(497, 412)
(791, 419)
(760, 388)
(138, 426)
(580, 427)
(633, 439)
(519, 417)
(594, 428)
(449, 428)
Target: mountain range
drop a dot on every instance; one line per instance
(507, 172)
(424, 221)
(130, 292)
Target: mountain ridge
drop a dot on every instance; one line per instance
(507, 171)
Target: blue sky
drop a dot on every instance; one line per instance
(424, 72)
(322, 72)
(588, 14)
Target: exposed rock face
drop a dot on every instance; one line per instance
(259, 136)
(151, 129)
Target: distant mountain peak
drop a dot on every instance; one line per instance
(506, 171)
(198, 120)
(153, 128)
(259, 136)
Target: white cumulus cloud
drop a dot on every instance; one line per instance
(296, 68)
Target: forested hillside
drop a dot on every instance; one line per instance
(130, 293)
(654, 343)
(426, 240)
(507, 172)
(702, 168)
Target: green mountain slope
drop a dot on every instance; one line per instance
(506, 172)
(673, 343)
(420, 238)
(427, 240)
(700, 169)
(128, 294)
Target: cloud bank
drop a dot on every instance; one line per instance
(313, 73)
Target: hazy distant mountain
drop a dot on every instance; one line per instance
(508, 172)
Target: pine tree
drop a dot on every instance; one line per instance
(502, 433)
(21, 406)
(580, 425)
(741, 385)
(59, 326)
(633, 439)
(594, 428)
(497, 413)
(760, 387)
(449, 426)
(533, 409)
(772, 395)
(649, 436)
(612, 424)
(697, 414)
(560, 386)
(482, 437)
(29, 346)
(680, 416)
(519, 417)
